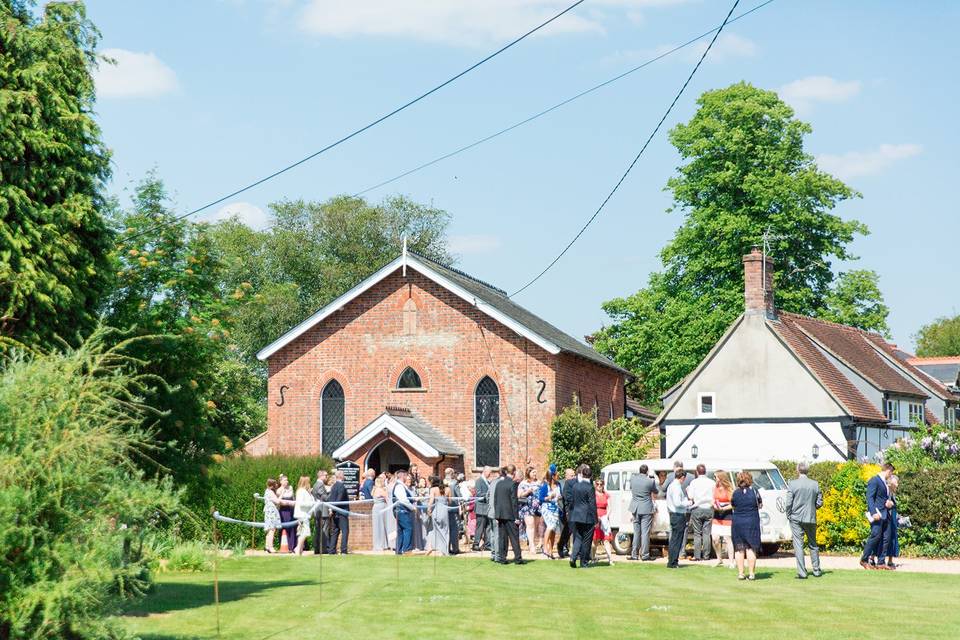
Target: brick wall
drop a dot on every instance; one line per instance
(452, 345)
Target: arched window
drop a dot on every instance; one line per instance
(409, 379)
(487, 423)
(332, 419)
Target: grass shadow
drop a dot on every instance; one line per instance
(177, 596)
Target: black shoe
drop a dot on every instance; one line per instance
(647, 559)
(573, 564)
(520, 561)
(817, 574)
(501, 562)
(634, 558)
(801, 577)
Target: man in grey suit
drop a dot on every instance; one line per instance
(321, 517)
(493, 535)
(643, 488)
(803, 499)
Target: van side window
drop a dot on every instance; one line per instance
(613, 481)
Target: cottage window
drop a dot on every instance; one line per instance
(950, 415)
(409, 379)
(891, 409)
(487, 423)
(706, 404)
(332, 414)
(915, 412)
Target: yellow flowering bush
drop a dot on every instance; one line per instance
(841, 520)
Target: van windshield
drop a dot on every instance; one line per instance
(769, 479)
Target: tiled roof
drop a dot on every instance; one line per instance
(934, 383)
(853, 347)
(838, 385)
(497, 298)
(945, 369)
(644, 413)
(419, 427)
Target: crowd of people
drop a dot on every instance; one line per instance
(503, 510)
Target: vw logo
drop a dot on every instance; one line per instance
(781, 505)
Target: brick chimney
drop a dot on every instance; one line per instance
(758, 283)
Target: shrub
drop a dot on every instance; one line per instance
(626, 439)
(931, 497)
(188, 556)
(230, 490)
(575, 439)
(74, 509)
(931, 445)
(841, 520)
(822, 472)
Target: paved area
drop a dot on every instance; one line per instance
(781, 560)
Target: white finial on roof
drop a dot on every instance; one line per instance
(404, 256)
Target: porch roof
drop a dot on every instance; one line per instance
(408, 428)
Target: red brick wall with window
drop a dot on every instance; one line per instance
(452, 345)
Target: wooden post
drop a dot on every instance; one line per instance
(216, 575)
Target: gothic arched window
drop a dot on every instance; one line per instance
(332, 417)
(409, 379)
(486, 424)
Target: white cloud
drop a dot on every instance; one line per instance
(249, 214)
(806, 92)
(864, 163)
(473, 244)
(135, 75)
(459, 22)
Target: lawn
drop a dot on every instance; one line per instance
(362, 597)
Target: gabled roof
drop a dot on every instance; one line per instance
(944, 369)
(644, 413)
(830, 378)
(487, 299)
(405, 426)
(855, 348)
(926, 381)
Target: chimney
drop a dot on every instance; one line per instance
(758, 283)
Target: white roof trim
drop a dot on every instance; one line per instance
(428, 272)
(388, 422)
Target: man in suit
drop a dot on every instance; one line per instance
(563, 543)
(803, 499)
(320, 515)
(643, 490)
(507, 512)
(403, 508)
(481, 486)
(581, 505)
(493, 527)
(878, 510)
(339, 522)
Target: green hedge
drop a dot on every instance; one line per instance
(931, 497)
(822, 472)
(230, 490)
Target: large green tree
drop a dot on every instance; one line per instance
(939, 338)
(744, 175)
(314, 252)
(169, 286)
(53, 165)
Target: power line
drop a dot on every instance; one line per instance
(365, 127)
(637, 157)
(563, 103)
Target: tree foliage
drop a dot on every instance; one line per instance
(576, 438)
(169, 283)
(939, 338)
(53, 165)
(73, 506)
(316, 252)
(855, 300)
(744, 173)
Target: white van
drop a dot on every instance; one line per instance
(774, 527)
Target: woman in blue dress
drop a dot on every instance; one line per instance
(745, 529)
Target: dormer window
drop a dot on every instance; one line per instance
(891, 409)
(915, 412)
(706, 405)
(409, 379)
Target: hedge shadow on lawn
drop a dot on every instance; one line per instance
(177, 596)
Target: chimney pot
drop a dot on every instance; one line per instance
(758, 283)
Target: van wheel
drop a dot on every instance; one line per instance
(622, 541)
(769, 549)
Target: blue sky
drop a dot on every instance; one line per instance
(215, 94)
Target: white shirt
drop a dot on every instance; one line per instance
(700, 492)
(400, 494)
(677, 501)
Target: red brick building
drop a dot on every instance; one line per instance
(423, 364)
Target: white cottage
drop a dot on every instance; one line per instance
(783, 386)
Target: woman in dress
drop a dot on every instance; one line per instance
(302, 508)
(745, 529)
(602, 533)
(285, 493)
(528, 495)
(722, 517)
(550, 511)
(271, 514)
(389, 485)
(379, 516)
(438, 542)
